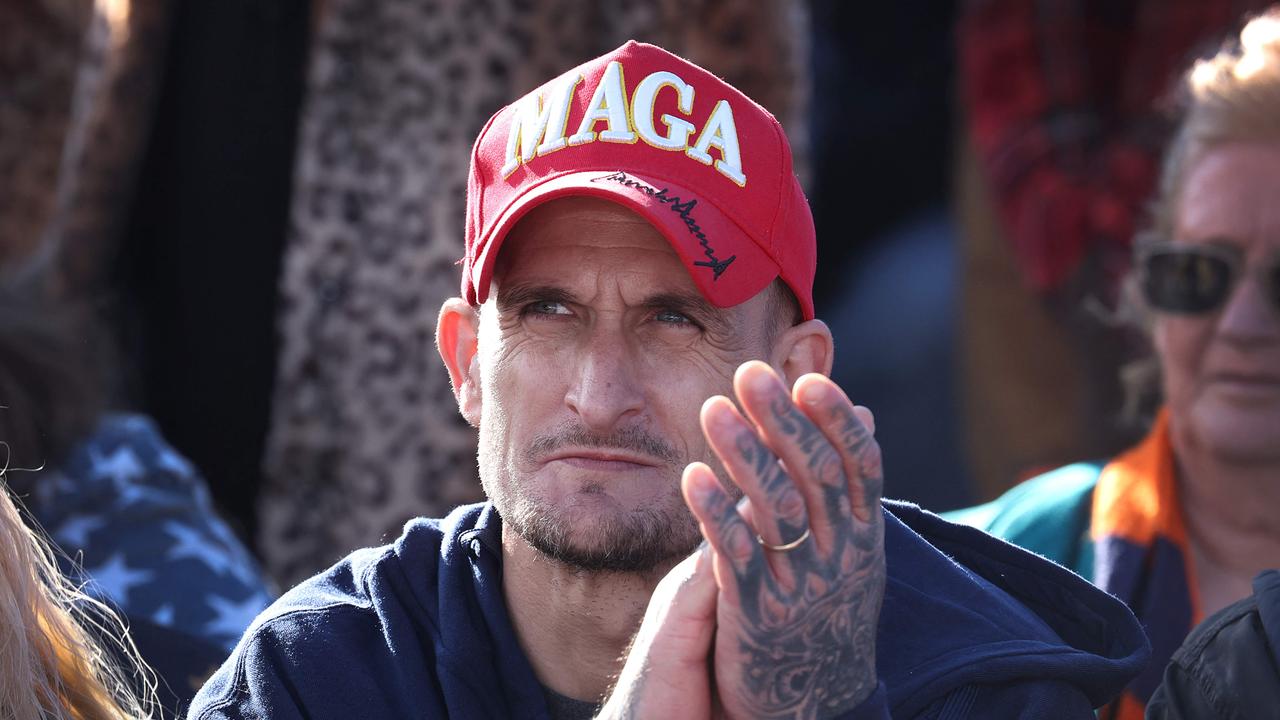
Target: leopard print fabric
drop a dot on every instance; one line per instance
(365, 431)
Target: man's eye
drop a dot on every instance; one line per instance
(546, 307)
(672, 317)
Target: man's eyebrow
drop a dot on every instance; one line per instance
(519, 295)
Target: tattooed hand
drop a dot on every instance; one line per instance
(796, 629)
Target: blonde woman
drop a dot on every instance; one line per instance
(1179, 525)
(62, 654)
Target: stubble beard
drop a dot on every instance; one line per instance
(638, 540)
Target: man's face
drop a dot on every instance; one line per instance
(1222, 369)
(595, 353)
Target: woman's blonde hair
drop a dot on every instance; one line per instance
(1232, 97)
(54, 662)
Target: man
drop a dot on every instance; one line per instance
(637, 243)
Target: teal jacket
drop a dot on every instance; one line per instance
(1048, 515)
(1118, 525)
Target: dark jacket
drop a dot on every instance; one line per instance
(1229, 666)
(971, 627)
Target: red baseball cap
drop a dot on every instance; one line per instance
(706, 165)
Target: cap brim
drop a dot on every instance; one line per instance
(727, 266)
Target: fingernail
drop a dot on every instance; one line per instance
(712, 405)
(762, 381)
(719, 415)
(813, 392)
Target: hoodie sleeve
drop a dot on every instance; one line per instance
(291, 668)
(1032, 700)
(875, 707)
(253, 683)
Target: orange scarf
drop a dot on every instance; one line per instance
(1142, 555)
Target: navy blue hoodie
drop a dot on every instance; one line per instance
(972, 627)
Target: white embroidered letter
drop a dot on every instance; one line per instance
(721, 133)
(534, 123)
(677, 137)
(608, 103)
(553, 138)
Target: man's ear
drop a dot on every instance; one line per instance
(801, 349)
(456, 332)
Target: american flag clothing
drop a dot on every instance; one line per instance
(139, 528)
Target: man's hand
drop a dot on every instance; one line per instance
(667, 674)
(796, 629)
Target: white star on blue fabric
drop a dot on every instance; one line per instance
(191, 543)
(115, 579)
(233, 617)
(174, 463)
(73, 533)
(163, 615)
(121, 466)
(132, 493)
(243, 565)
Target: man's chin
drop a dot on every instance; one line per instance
(639, 541)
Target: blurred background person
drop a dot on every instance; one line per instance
(1065, 124)
(1229, 666)
(1179, 525)
(145, 154)
(131, 516)
(63, 655)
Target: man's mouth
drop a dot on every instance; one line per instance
(606, 460)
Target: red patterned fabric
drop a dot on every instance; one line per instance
(1064, 110)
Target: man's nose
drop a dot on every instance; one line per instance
(605, 388)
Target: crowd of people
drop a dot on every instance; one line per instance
(643, 478)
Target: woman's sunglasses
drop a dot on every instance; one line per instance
(1195, 279)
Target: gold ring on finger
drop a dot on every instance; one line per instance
(784, 547)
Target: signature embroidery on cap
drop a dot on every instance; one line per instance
(684, 210)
